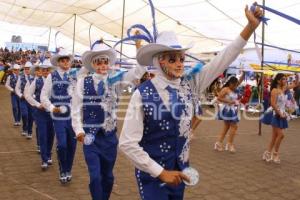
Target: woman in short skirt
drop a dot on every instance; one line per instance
(276, 116)
(228, 112)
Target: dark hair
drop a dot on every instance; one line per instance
(232, 80)
(145, 77)
(64, 57)
(275, 80)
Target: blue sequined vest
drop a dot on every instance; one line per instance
(39, 83)
(165, 138)
(60, 95)
(13, 80)
(95, 118)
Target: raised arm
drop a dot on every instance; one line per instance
(132, 75)
(241, 79)
(82, 73)
(126, 78)
(222, 61)
(253, 22)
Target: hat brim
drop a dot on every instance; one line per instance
(54, 59)
(146, 53)
(33, 68)
(89, 55)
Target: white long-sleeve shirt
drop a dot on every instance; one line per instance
(77, 98)
(7, 84)
(18, 86)
(132, 131)
(29, 93)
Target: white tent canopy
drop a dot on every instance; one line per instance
(210, 24)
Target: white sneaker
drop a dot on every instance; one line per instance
(267, 156)
(63, 178)
(38, 149)
(28, 137)
(44, 166)
(23, 133)
(275, 158)
(218, 146)
(69, 176)
(50, 162)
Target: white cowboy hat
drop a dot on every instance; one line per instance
(16, 66)
(166, 41)
(28, 65)
(46, 64)
(43, 65)
(97, 50)
(61, 54)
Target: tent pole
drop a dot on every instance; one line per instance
(74, 29)
(122, 32)
(49, 39)
(262, 67)
(90, 35)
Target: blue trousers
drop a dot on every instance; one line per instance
(100, 158)
(27, 118)
(66, 144)
(15, 102)
(151, 189)
(46, 133)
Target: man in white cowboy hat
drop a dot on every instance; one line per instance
(157, 126)
(26, 109)
(56, 97)
(10, 84)
(94, 107)
(35, 71)
(42, 116)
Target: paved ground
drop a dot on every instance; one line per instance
(224, 176)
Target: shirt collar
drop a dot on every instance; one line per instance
(61, 72)
(162, 82)
(99, 77)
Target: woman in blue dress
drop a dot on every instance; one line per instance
(228, 112)
(276, 116)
